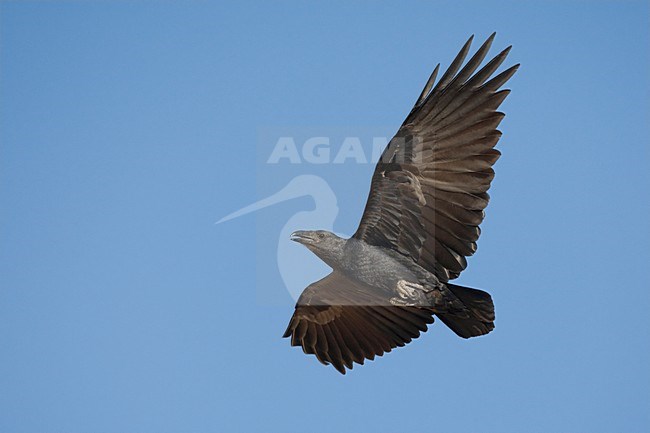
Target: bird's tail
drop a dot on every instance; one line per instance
(480, 309)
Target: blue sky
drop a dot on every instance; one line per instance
(128, 128)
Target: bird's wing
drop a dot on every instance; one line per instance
(429, 188)
(342, 321)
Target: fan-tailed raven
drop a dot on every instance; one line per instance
(421, 221)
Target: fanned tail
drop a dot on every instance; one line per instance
(480, 320)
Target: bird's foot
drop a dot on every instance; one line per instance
(399, 302)
(408, 290)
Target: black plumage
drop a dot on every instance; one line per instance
(421, 221)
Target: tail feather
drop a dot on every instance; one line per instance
(480, 307)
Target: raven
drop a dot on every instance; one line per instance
(421, 221)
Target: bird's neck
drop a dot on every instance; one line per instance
(333, 257)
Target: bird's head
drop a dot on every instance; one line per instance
(324, 244)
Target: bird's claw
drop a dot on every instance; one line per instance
(408, 290)
(399, 302)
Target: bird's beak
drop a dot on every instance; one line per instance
(302, 237)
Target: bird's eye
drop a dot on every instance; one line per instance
(321, 236)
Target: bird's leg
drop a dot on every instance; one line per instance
(406, 289)
(399, 302)
(432, 294)
(410, 294)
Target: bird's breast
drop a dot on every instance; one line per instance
(376, 267)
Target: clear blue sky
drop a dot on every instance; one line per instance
(128, 128)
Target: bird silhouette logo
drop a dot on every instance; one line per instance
(323, 215)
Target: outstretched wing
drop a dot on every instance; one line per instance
(342, 322)
(429, 188)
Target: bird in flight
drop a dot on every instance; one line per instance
(426, 202)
